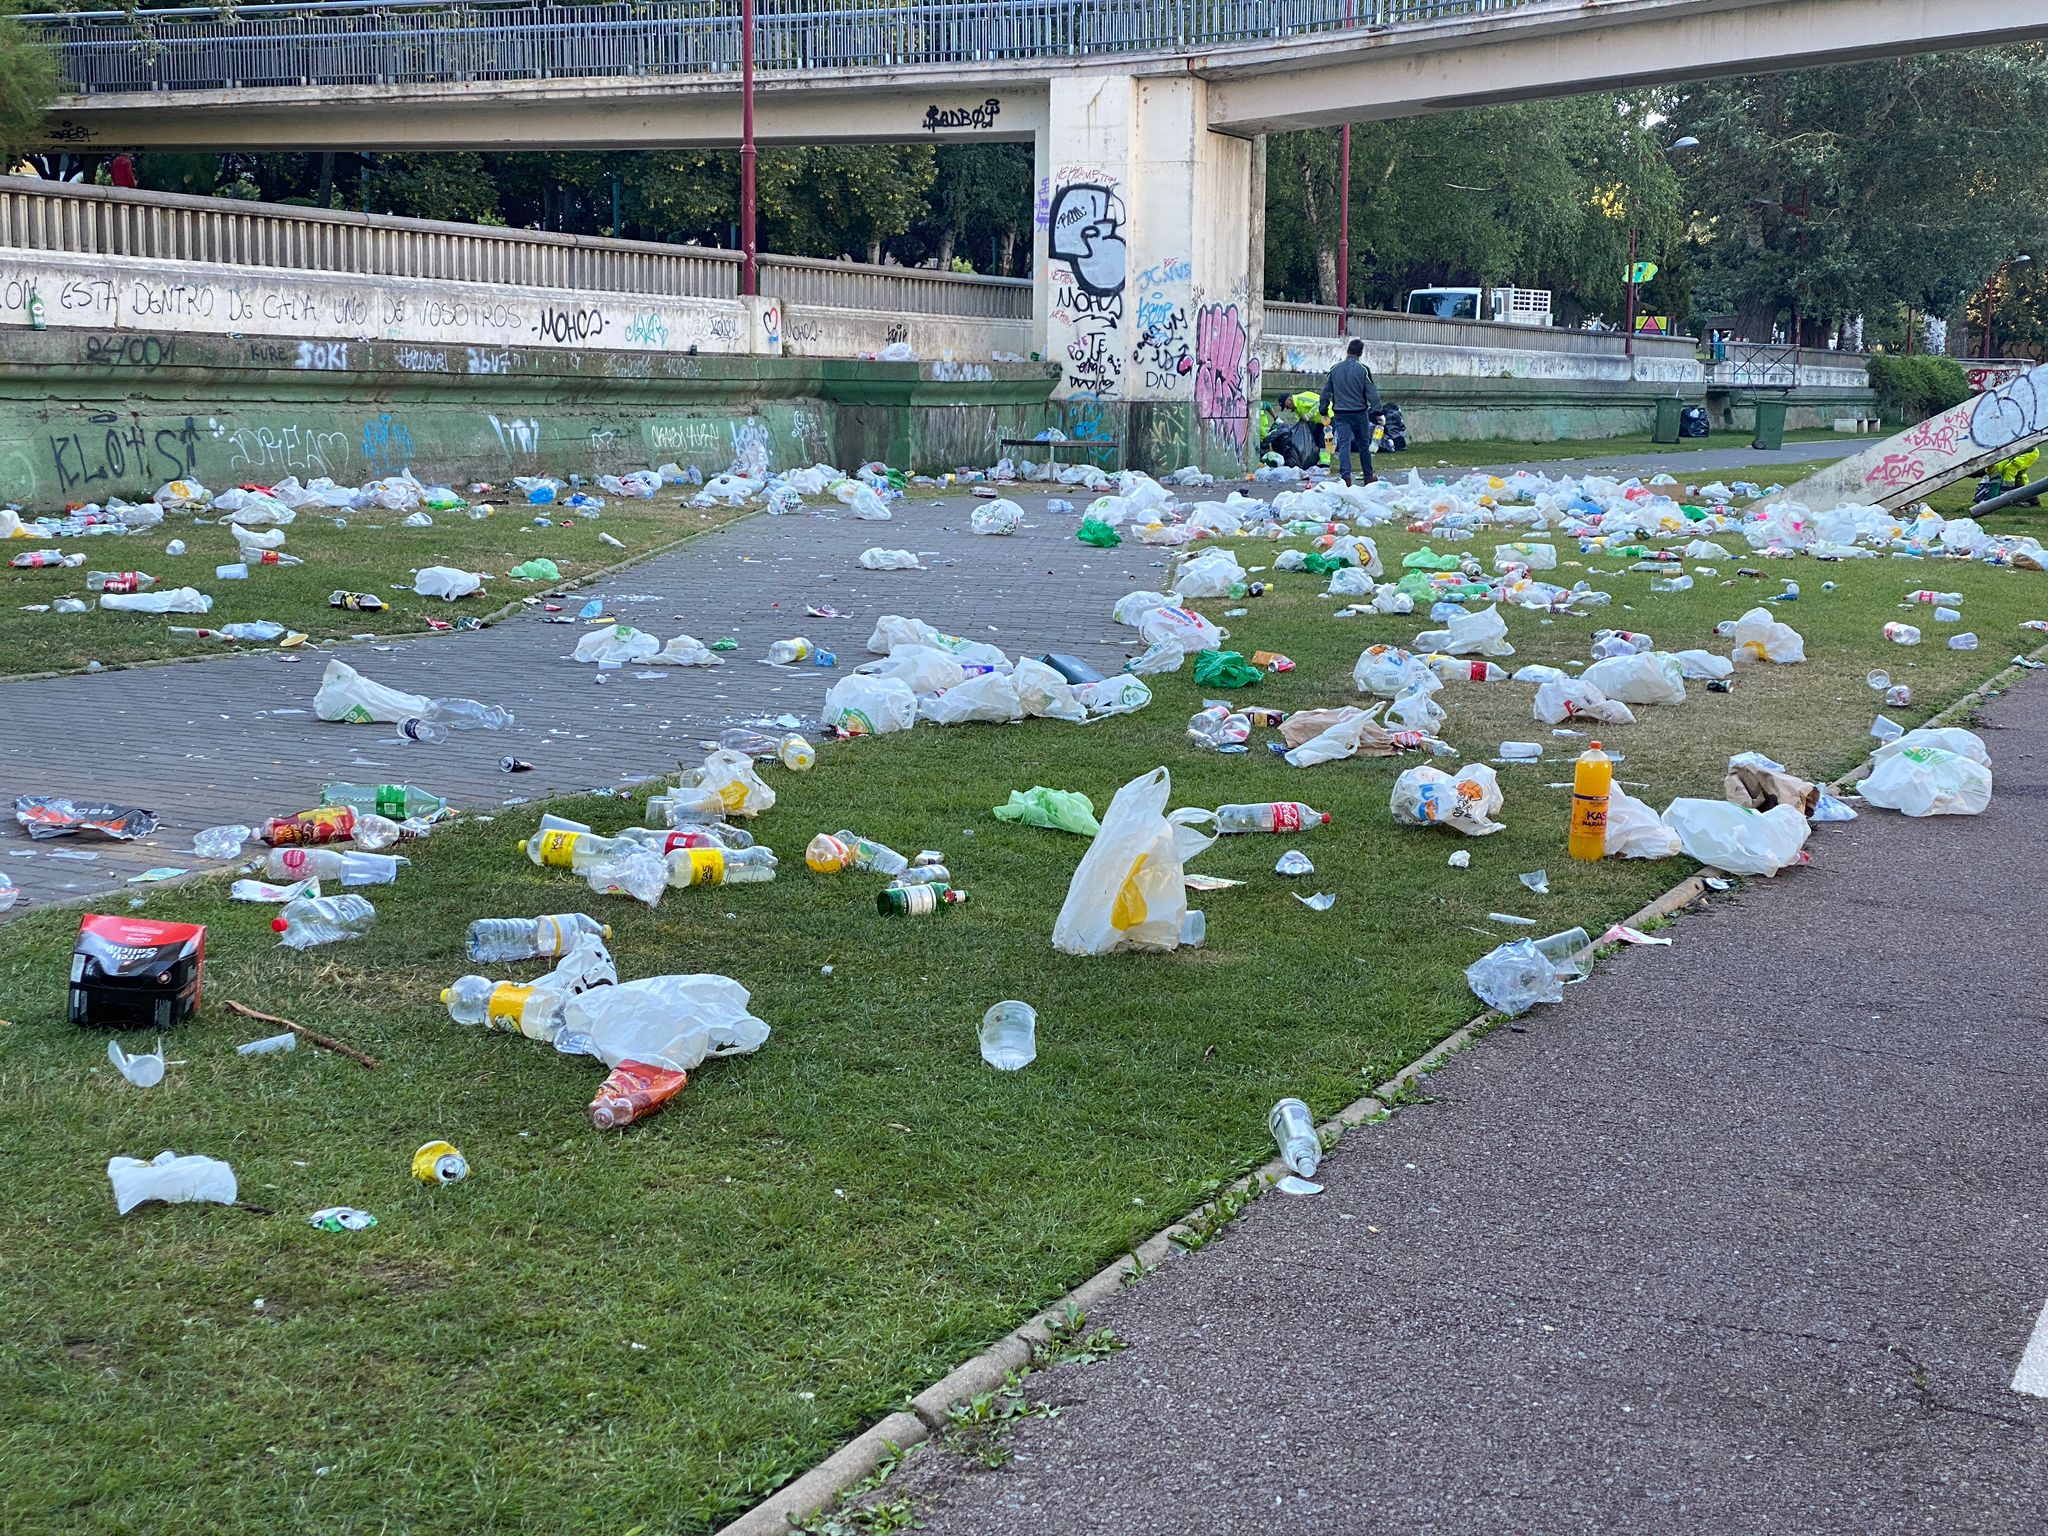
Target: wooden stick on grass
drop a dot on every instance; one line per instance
(325, 1042)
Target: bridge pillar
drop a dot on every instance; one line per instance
(1149, 279)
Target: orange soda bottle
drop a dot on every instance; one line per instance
(1592, 779)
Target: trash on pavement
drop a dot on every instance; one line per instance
(1513, 977)
(222, 842)
(1061, 810)
(169, 1178)
(1928, 781)
(1009, 1036)
(1736, 840)
(1093, 530)
(1757, 782)
(1127, 891)
(879, 559)
(347, 696)
(47, 816)
(135, 973)
(998, 517)
(1429, 797)
(1293, 1130)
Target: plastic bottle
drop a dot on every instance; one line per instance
(786, 653)
(1672, 584)
(468, 715)
(925, 874)
(1592, 781)
(1943, 599)
(556, 848)
(917, 900)
(1294, 1132)
(535, 1012)
(866, 854)
(350, 868)
(1280, 816)
(1009, 1036)
(750, 743)
(495, 940)
(119, 581)
(323, 824)
(397, 801)
(416, 729)
(1456, 669)
(358, 602)
(721, 866)
(1902, 634)
(278, 557)
(1966, 641)
(311, 920)
(797, 754)
(1948, 615)
(222, 842)
(685, 807)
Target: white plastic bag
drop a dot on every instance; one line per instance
(1133, 607)
(1655, 677)
(1210, 574)
(1734, 838)
(1186, 628)
(732, 775)
(1928, 781)
(1703, 664)
(1350, 581)
(870, 706)
(998, 517)
(1045, 694)
(1466, 800)
(1386, 670)
(862, 499)
(1484, 633)
(1759, 636)
(171, 1179)
(176, 600)
(1635, 831)
(1573, 698)
(1127, 891)
(686, 651)
(988, 696)
(617, 642)
(346, 696)
(1949, 738)
(1118, 695)
(879, 559)
(256, 539)
(678, 1022)
(926, 669)
(446, 581)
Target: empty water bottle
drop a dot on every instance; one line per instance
(416, 729)
(685, 807)
(1009, 1036)
(1943, 599)
(721, 866)
(468, 715)
(1902, 634)
(311, 920)
(925, 874)
(535, 1012)
(1294, 1132)
(349, 867)
(494, 940)
(1279, 816)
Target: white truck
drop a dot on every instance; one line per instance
(1513, 306)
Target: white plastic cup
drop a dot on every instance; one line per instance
(236, 572)
(1009, 1036)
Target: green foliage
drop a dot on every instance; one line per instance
(28, 84)
(1914, 388)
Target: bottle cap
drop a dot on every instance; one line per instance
(1593, 746)
(278, 925)
(446, 993)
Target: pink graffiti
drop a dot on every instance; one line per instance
(1225, 371)
(1897, 469)
(1939, 434)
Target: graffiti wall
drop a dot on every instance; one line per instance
(1226, 374)
(1086, 258)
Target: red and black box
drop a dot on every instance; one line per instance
(131, 973)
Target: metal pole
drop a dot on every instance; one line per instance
(2010, 499)
(1628, 341)
(1990, 308)
(750, 267)
(1344, 231)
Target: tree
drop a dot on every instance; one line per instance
(28, 84)
(1828, 193)
(841, 199)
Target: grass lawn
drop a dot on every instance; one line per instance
(1425, 453)
(650, 1330)
(373, 553)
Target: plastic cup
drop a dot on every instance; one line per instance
(1562, 951)
(1878, 679)
(1009, 1036)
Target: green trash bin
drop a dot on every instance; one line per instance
(1667, 420)
(1770, 424)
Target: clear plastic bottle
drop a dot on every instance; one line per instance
(1948, 615)
(1456, 669)
(1294, 1132)
(311, 920)
(278, 557)
(555, 848)
(1966, 641)
(222, 842)
(785, 653)
(119, 581)
(496, 940)
(1672, 584)
(702, 834)
(398, 801)
(468, 715)
(685, 807)
(866, 854)
(1942, 599)
(350, 868)
(416, 729)
(797, 754)
(535, 1012)
(748, 742)
(721, 866)
(924, 874)
(1279, 816)
(1902, 634)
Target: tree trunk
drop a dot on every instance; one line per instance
(1326, 274)
(946, 250)
(875, 252)
(1006, 263)
(326, 191)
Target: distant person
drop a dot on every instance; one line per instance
(123, 172)
(1354, 398)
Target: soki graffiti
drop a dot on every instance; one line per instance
(1086, 236)
(983, 116)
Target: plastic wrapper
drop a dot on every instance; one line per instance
(617, 643)
(1183, 626)
(170, 1178)
(47, 816)
(1133, 607)
(1225, 669)
(175, 600)
(686, 651)
(1060, 810)
(1210, 574)
(346, 696)
(446, 581)
(879, 559)
(1635, 831)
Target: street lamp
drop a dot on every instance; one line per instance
(1991, 295)
(1628, 340)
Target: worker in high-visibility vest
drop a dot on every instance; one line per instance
(1308, 405)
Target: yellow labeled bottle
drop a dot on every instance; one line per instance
(1592, 780)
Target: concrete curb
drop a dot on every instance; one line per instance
(846, 1466)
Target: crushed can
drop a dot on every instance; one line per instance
(438, 1162)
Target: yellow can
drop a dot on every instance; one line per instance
(439, 1163)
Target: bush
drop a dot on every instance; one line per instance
(1914, 388)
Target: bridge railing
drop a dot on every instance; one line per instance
(363, 42)
(1322, 321)
(169, 226)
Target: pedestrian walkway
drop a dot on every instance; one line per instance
(1746, 1235)
(235, 739)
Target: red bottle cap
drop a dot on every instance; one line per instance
(278, 925)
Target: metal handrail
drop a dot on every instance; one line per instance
(359, 42)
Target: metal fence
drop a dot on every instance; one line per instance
(167, 226)
(360, 42)
(1319, 321)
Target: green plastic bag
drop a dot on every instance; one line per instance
(1063, 810)
(1322, 565)
(1428, 560)
(1418, 586)
(539, 569)
(1225, 669)
(1094, 530)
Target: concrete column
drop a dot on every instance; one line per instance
(1041, 211)
(1152, 230)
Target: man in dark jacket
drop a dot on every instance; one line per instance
(1351, 393)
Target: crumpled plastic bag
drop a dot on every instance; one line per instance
(1060, 810)
(634, 871)
(998, 517)
(1183, 626)
(862, 499)
(893, 631)
(1045, 694)
(879, 559)
(175, 600)
(1119, 695)
(1950, 738)
(1094, 530)
(1127, 892)
(923, 668)
(990, 697)
(1386, 670)
(1737, 840)
(686, 651)
(1514, 977)
(446, 581)
(47, 816)
(1655, 677)
(732, 775)
(1928, 781)
(1429, 797)
(1133, 607)
(1635, 831)
(170, 1178)
(653, 1034)
(346, 696)
(540, 568)
(1484, 633)
(1225, 669)
(1759, 783)
(256, 539)
(870, 706)
(1350, 581)
(1210, 574)
(1703, 664)
(1760, 636)
(1573, 698)
(617, 642)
